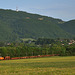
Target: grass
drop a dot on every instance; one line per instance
(26, 39)
(39, 66)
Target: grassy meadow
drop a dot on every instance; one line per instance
(39, 66)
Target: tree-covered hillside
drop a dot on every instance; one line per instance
(69, 26)
(16, 25)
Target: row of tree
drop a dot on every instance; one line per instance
(24, 50)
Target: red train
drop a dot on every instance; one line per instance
(9, 58)
(5, 58)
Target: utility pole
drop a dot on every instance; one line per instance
(16, 9)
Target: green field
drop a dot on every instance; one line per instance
(39, 66)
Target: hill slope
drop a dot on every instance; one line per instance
(15, 25)
(69, 26)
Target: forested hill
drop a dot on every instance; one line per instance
(69, 26)
(16, 25)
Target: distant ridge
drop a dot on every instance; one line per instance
(16, 25)
(69, 26)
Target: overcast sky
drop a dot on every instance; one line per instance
(62, 9)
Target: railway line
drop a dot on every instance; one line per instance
(26, 57)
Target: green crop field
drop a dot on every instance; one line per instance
(39, 66)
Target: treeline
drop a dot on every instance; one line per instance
(26, 50)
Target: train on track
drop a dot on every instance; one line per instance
(13, 58)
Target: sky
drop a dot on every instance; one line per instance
(62, 9)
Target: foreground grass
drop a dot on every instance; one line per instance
(39, 66)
